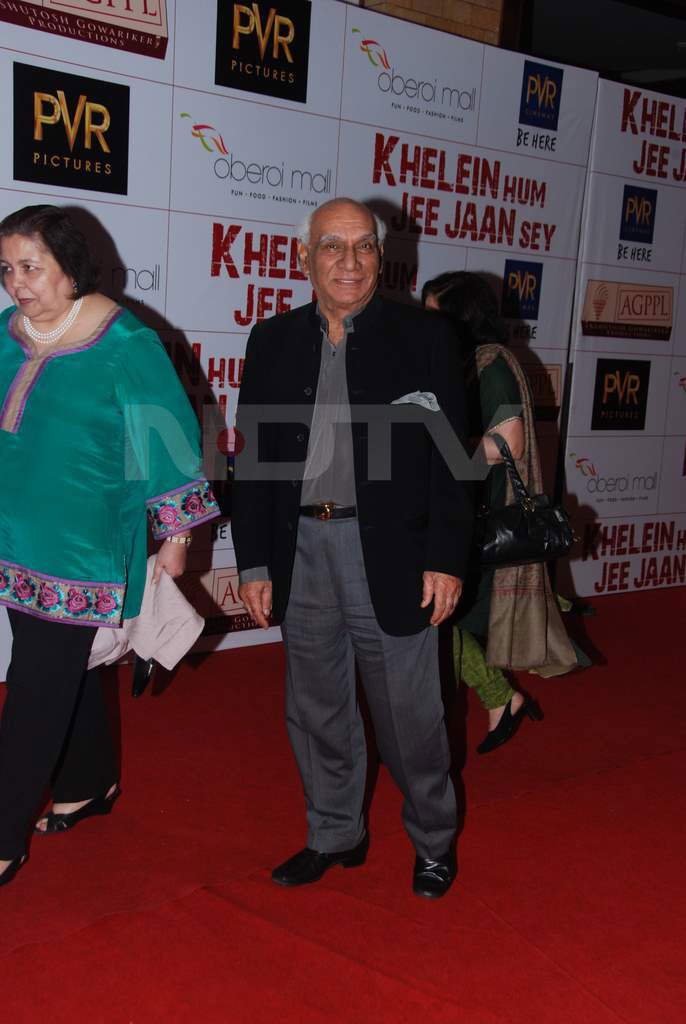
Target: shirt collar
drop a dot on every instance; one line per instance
(349, 321)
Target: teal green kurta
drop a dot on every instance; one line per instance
(94, 440)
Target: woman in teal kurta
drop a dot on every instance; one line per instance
(97, 437)
(88, 444)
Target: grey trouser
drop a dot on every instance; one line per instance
(330, 625)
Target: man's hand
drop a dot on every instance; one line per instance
(257, 598)
(444, 591)
(171, 558)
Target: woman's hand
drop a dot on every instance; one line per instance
(511, 431)
(172, 559)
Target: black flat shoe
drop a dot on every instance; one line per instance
(309, 865)
(63, 822)
(11, 870)
(143, 671)
(433, 878)
(508, 724)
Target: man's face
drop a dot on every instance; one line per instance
(342, 258)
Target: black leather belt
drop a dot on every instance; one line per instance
(327, 510)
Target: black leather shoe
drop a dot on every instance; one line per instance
(433, 878)
(508, 725)
(11, 870)
(309, 865)
(63, 822)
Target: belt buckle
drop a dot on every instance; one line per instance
(325, 511)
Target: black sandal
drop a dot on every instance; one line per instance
(509, 723)
(63, 822)
(11, 870)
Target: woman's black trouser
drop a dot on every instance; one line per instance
(54, 728)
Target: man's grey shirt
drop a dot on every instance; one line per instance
(329, 473)
(329, 469)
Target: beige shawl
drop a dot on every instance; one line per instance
(525, 628)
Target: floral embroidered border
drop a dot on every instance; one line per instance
(180, 509)
(88, 604)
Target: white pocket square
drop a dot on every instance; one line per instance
(426, 399)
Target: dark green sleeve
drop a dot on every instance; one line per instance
(499, 394)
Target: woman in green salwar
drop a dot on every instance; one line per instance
(97, 437)
(507, 618)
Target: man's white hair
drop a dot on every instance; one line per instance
(305, 225)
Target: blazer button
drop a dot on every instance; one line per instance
(300, 437)
(308, 391)
(290, 526)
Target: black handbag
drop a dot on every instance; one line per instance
(530, 530)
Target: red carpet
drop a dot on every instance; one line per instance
(569, 905)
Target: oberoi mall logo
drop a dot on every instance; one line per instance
(400, 83)
(210, 143)
(295, 185)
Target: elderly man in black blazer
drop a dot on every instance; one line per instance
(352, 531)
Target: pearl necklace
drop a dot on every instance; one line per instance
(47, 337)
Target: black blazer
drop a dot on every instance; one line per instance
(418, 520)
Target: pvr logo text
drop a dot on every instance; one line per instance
(49, 110)
(541, 89)
(624, 386)
(522, 284)
(639, 210)
(247, 21)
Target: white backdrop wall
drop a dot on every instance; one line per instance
(625, 457)
(476, 158)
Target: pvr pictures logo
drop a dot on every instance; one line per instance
(522, 289)
(541, 95)
(620, 397)
(70, 131)
(638, 214)
(264, 47)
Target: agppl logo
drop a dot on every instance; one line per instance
(680, 380)
(442, 100)
(638, 214)
(541, 94)
(625, 310)
(608, 488)
(70, 131)
(522, 290)
(620, 398)
(264, 48)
